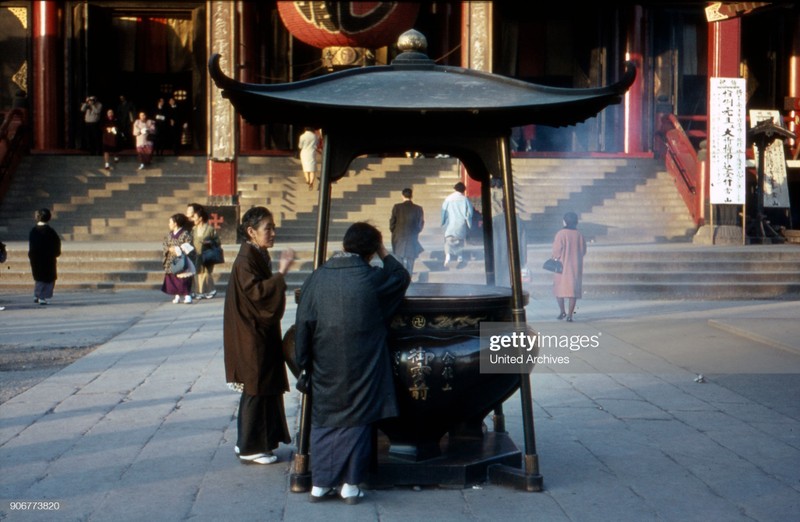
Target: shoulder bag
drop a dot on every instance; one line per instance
(213, 255)
(178, 265)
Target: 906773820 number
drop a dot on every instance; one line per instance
(28, 505)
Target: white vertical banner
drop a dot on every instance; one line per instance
(727, 139)
(776, 186)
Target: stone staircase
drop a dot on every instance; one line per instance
(680, 271)
(617, 200)
(92, 204)
(113, 223)
(367, 193)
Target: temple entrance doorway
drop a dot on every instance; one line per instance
(144, 53)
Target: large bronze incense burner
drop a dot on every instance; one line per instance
(414, 104)
(435, 346)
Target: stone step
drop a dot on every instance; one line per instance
(650, 272)
(705, 291)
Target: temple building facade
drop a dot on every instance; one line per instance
(56, 53)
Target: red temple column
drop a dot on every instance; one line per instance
(634, 98)
(221, 178)
(45, 76)
(477, 19)
(724, 48)
(793, 90)
(249, 135)
(223, 129)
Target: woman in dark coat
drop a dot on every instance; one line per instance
(341, 341)
(254, 363)
(44, 247)
(569, 247)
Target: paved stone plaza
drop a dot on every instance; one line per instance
(143, 427)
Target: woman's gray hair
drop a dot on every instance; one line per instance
(253, 217)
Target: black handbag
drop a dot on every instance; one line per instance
(213, 255)
(553, 265)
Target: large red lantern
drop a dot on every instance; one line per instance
(348, 24)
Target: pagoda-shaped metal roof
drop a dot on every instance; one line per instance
(415, 92)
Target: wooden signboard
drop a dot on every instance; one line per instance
(776, 186)
(727, 141)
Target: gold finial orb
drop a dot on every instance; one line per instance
(412, 40)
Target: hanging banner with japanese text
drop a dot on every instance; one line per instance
(776, 187)
(727, 138)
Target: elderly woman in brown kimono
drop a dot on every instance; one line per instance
(569, 247)
(254, 363)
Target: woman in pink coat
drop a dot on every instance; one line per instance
(569, 247)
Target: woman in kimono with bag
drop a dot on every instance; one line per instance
(204, 236)
(178, 260)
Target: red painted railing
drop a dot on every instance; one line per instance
(682, 163)
(13, 144)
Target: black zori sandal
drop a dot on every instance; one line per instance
(328, 495)
(352, 500)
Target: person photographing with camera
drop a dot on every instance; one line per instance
(92, 111)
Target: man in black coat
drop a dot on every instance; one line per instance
(406, 223)
(161, 116)
(175, 115)
(44, 247)
(341, 341)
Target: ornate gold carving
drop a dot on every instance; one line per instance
(22, 14)
(21, 76)
(222, 130)
(448, 321)
(418, 321)
(449, 371)
(339, 56)
(480, 36)
(419, 368)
